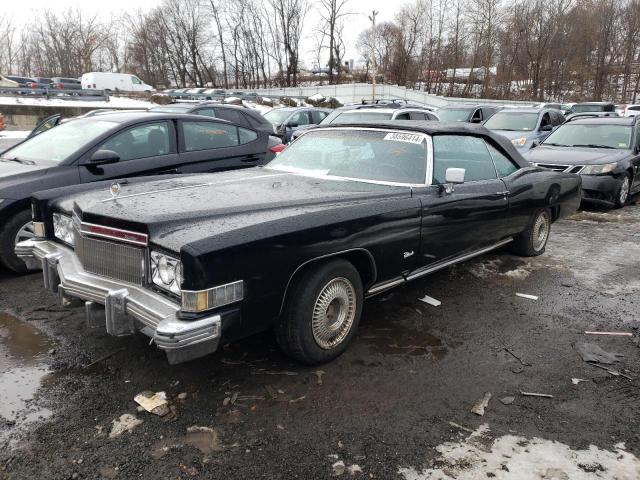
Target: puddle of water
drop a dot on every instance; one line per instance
(23, 350)
(405, 342)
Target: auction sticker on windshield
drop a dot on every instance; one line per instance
(404, 137)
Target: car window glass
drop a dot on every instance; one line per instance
(430, 116)
(477, 115)
(148, 140)
(546, 120)
(638, 134)
(228, 114)
(462, 151)
(416, 116)
(300, 118)
(208, 135)
(136, 80)
(317, 116)
(634, 108)
(402, 116)
(246, 135)
(207, 112)
(503, 164)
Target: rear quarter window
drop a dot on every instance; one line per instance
(208, 135)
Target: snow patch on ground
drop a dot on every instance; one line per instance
(5, 134)
(482, 456)
(491, 268)
(114, 102)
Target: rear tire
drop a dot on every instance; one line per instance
(622, 195)
(17, 228)
(321, 313)
(533, 241)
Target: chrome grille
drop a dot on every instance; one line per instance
(110, 259)
(561, 168)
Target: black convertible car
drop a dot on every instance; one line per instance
(604, 151)
(114, 145)
(344, 213)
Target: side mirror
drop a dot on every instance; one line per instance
(546, 128)
(454, 175)
(103, 157)
(535, 143)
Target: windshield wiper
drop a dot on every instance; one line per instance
(594, 145)
(16, 159)
(556, 144)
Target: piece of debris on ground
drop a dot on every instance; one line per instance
(155, 403)
(481, 404)
(526, 295)
(430, 301)
(125, 423)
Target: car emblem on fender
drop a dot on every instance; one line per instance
(115, 189)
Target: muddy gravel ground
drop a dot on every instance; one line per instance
(397, 404)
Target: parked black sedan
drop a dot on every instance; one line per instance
(605, 151)
(110, 146)
(344, 213)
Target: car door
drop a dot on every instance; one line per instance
(210, 146)
(636, 159)
(148, 148)
(469, 216)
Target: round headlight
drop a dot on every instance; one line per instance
(165, 271)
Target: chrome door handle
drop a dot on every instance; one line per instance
(505, 193)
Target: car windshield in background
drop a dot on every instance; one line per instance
(59, 143)
(367, 155)
(512, 121)
(591, 135)
(587, 108)
(453, 114)
(277, 117)
(357, 117)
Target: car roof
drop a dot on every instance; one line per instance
(127, 118)
(604, 121)
(594, 103)
(468, 106)
(529, 110)
(432, 127)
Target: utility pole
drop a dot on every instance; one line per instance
(374, 69)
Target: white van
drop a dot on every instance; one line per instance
(123, 82)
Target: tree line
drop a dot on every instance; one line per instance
(534, 49)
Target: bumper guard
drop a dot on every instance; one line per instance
(128, 308)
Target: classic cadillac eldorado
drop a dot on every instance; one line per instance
(343, 214)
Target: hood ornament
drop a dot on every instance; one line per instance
(114, 189)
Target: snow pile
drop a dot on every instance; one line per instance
(113, 102)
(480, 456)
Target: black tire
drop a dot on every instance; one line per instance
(620, 201)
(8, 241)
(533, 242)
(295, 329)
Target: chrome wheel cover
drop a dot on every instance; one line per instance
(25, 233)
(624, 191)
(541, 231)
(334, 313)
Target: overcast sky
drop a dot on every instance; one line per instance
(354, 25)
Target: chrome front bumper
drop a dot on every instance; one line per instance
(127, 307)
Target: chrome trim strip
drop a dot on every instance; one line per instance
(111, 237)
(381, 287)
(433, 268)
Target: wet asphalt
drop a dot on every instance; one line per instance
(387, 403)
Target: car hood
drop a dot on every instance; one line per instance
(190, 208)
(574, 155)
(13, 172)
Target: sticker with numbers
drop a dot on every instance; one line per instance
(404, 137)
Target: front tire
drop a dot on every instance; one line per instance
(18, 228)
(321, 313)
(622, 195)
(533, 241)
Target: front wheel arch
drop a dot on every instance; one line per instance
(360, 258)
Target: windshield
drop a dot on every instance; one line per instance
(513, 121)
(382, 156)
(169, 109)
(59, 143)
(277, 117)
(591, 135)
(453, 114)
(588, 108)
(356, 116)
